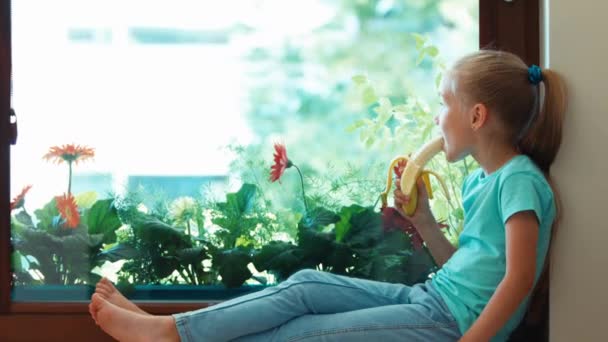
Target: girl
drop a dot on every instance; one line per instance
(495, 111)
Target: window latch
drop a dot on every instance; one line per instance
(13, 127)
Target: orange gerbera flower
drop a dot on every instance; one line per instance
(281, 162)
(69, 153)
(19, 201)
(68, 210)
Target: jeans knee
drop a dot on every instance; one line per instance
(305, 274)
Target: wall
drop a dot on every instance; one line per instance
(576, 47)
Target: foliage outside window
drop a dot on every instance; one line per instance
(343, 104)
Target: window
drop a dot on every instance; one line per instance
(159, 91)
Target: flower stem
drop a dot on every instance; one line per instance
(302, 182)
(70, 178)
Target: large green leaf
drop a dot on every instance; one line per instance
(163, 267)
(154, 231)
(121, 251)
(240, 202)
(24, 218)
(46, 215)
(394, 242)
(340, 259)
(103, 218)
(343, 226)
(318, 218)
(280, 258)
(17, 263)
(419, 265)
(232, 266)
(366, 226)
(316, 245)
(387, 260)
(86, 200)
(193, 255)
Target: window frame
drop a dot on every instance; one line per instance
(507, 25)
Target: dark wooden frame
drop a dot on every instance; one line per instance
(506, 25)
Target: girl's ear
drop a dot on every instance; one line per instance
(479, 116)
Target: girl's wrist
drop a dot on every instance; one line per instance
(427, 224)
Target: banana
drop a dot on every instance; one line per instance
(414, 169)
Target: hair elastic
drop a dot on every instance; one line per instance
(535, 75)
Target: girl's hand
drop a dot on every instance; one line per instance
(423, 215)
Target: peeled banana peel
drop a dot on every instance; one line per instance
(414, 169)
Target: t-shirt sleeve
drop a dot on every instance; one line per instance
(523, 192)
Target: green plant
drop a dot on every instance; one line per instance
(405, 127)
(50, 252)
(61, 242)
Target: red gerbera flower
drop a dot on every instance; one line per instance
(68, 210)
(19, 201)
(69, 153)
(281, 162)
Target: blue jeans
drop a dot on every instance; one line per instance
(319, 306)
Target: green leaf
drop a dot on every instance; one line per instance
(316, 245)
(194, 255)
(394, 242)
(359, 79)
(369, 142)
(121, 251)
(163, 266)
(420, 40)
(366, 226)
(419, 265)
(24, 218)
(280, 258)
(46, 215)
(420, 57)
(355, 125)
(438, 80)
(103, 218)
(343, 226)
(340, 259)
(318, 218)
(432, 51)
(369, 95)
(86, 199)
(17, 262)
(240, 202)
(232, 266)
(156, 232)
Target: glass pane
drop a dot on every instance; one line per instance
(147, 134)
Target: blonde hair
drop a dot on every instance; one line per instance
(531, 115)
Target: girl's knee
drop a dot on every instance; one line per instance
(305, 274)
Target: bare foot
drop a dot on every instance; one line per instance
(125, 325)
(107, 291)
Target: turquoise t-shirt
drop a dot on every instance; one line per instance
(469, 278)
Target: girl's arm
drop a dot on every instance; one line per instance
(521, 239)
(440, 247)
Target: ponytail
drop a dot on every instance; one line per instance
(544, 136)
(541, 143)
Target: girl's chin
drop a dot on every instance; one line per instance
(452, 157)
